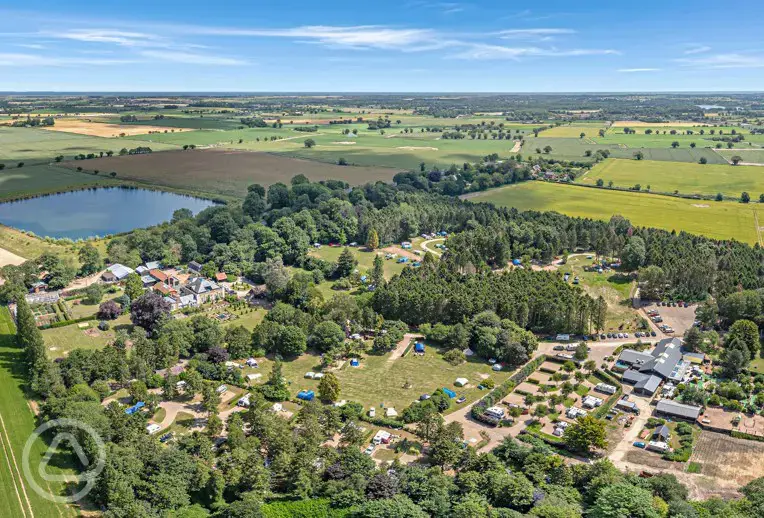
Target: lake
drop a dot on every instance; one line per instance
(95, 212)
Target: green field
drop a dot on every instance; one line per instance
(720, 220)
(46, 179)
(686, 178)
(381, 380)
(751, 155)
(573, 131)
(574, 149)
(41, 146)
(369, 148)
(16, 424)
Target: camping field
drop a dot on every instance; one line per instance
(16, 424)
(392, 382)
(686, 178)
(720, 220)
(228, 172)
(613, 286)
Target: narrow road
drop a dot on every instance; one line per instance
(433, 251)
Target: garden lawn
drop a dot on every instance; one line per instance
(60, 341)
(719, 220)
(16, 425)
(381, 381)
(686, 178)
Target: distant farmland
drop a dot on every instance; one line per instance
(684, 177)
(720, 220)
(227, 172)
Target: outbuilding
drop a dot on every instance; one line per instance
(673, 409)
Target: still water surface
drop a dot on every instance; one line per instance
(95, 212)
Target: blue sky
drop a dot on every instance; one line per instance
(393, 46)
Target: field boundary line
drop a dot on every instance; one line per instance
(758, 228)
(12, 457)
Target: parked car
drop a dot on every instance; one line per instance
(639, 444)
(559, 347)
(652, 333)
(369, 450)
(602, 336)
(461, 400)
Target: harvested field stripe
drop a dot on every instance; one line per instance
(16, 476)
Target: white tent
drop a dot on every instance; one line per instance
(460, 382)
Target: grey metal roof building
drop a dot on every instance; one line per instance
(674, 409)
(648, 385)
(649, 369)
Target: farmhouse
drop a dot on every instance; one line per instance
(116, 273)
(647, 371)
(674, 409)
(202, 290)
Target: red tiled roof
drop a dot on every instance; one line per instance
(220, 276)
(158, 275)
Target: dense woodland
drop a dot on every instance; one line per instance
(267, 466)
(270, 467)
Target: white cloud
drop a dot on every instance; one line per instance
(486, 52)
(731, 60)
(191, 58)
(116, 37)
(697, 49)
(361, 36)
(532, 33)
(34, 60)
(35, 46)
(638, 70)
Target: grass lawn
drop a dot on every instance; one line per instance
(16, 425)
(720, 220)
(364, 257)
(614, 287)
(379, 381)
(30, 247)
(684, 177)
(60, 341)
(757, 365)
(159, 416)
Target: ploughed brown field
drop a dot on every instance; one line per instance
(226, 171)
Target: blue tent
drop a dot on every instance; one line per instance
(354, 362)
(419, 347)
(516, 262)
(133, 409)
(306, 395)
(450, 393)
